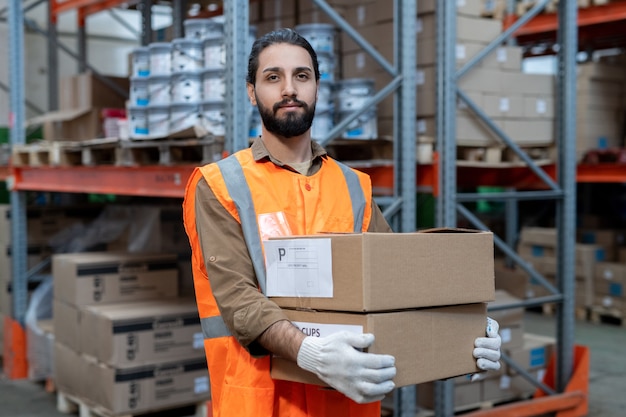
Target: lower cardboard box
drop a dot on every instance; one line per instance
(428, 344)
(131, 390)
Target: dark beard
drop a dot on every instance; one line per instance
(291, 125)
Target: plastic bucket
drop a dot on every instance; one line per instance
(158, 120)
(214, 52)
(187, 55)
(184, 116)
(202, 28)
(352, 93)
(138, 122)
(322, 123)
(213, 117)
(252, 34)
(321, 36)
(256, 124)
(327, 65)
(186, 87)
(139, 95)
(140, 62)
(159, 89)
(325, 96)
(363, 127)
(160, 58)
(213, 84)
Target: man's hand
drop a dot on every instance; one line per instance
(487, 349)
(336, 360)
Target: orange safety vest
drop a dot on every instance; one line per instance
(335, 199)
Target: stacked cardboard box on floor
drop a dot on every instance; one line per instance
(124, 341)
(423, 295)
(538, 246)
(41, 224)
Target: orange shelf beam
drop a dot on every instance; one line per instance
(58, 7)
(601, 173)
(593, 15)
(146, 181)
(169, 181)
(100, 6)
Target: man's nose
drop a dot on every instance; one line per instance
(289, 89)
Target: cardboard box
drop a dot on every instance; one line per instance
(508, 58)
(511, 320)
(385, 271)
(85, 91)
(534, 354)
(103, 277)
(131, 390)
(428, 344)
(465, 393)
(76, 124)
(66, 320)
(142, 332)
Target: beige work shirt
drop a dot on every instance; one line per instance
(244, 309)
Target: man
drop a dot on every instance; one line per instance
(283, 185)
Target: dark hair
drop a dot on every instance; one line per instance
(285, 35)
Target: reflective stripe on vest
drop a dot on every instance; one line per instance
(239, 191)
(213, 327)
(356, 196)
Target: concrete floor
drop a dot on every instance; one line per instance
(607, 373)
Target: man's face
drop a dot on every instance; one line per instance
(286, 90)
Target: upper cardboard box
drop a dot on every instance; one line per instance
(390, 271)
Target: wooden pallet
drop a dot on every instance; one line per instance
(604, 315)
(503, 156)
(552, 7)
(524, 6)
(468, 408)
(69, 404)
(581, 313)
(46, 153)
(115, 151)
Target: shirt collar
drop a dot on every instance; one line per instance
(260, 152)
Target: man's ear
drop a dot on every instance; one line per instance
(251, 95)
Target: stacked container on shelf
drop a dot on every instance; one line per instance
(180, 84)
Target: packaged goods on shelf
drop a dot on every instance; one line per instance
(511, 320)
(600, 111)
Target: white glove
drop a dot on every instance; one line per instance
(363, 377)
(487, 349)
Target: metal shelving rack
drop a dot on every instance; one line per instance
(443, 176)
(562, 190)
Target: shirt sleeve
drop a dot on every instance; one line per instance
(378, 223)
(246, 311)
